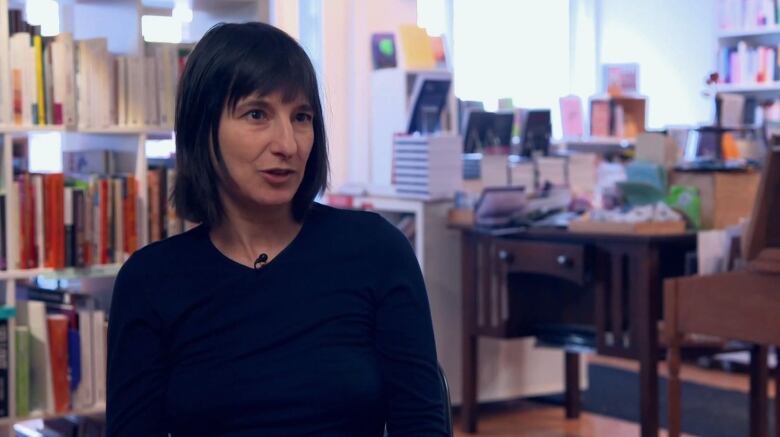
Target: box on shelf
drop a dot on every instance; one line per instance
(727, 197)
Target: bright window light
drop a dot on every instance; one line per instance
(160, 148)
(432, 16)
(157, 28)
(44, 13)
(515, 49)
(45, 152)
(182, 13)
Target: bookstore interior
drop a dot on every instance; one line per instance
(572, 176)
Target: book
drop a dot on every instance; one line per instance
(416, 48)
(33, 315)
(23, 344)
(57, 325)
(5, 355)
(100, 354)
(84, 395)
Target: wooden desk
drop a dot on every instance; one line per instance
(516, 281)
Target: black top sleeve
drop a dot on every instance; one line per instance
(405, 343)
(137, 380)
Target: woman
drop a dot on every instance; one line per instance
(276, 315)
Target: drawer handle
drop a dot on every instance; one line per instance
(505, 256)
(564, 261)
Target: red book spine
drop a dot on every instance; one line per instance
(59, 219)
(48, 227)
(58, 349)
(22, 224)
(104, 221)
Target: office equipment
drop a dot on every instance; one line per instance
(741, 305)
(608, 287)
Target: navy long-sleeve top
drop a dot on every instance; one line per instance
(333, 337)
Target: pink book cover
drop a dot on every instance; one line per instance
(571, 116)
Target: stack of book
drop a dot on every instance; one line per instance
(59, 81)
(747, 14)
(747, 65)
(61, 352)
(163, 220)
(427, 167)
(73, 222)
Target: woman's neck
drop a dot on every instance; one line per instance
(244, 234)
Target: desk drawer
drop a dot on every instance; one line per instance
(565, 261)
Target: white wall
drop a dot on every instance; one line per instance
(675, 43)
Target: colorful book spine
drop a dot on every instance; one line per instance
(58, 351)
(22, 371)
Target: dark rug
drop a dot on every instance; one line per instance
(706, 411)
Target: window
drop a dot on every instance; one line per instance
(518, 49)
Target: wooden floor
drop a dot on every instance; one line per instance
(537, 420)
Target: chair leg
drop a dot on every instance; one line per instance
(572, 367)
(673, 361)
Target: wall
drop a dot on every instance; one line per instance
(675, 44)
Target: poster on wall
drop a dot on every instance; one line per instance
(383, 50)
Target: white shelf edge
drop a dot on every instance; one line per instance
(756, 31)
(100, 409)
(112, 130)
(103, 270)
(749, 88)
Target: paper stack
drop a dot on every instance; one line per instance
(427, 167)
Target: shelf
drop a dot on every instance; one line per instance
(22, 129)
(128, 130)
(748, 88)
(99, 271)
(86, 412)
(112, 130)
(757, 31)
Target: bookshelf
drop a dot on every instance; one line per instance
(748, 38)
(119, 23)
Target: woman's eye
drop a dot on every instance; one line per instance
(303, 117)
(256, 115)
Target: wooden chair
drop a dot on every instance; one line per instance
(743, 305)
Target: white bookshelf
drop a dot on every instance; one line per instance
(749, 33)
(755, 88)
(120, 22)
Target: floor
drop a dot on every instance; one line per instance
(537, 420)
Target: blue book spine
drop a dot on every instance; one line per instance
(74, 358)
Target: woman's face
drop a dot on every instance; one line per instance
(265, 144)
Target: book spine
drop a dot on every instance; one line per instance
(58, 352)
(22, 371)
(4, 366)
(3, 234)
(68, 227)
(41, 102)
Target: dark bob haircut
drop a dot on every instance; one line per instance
(230, 62)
